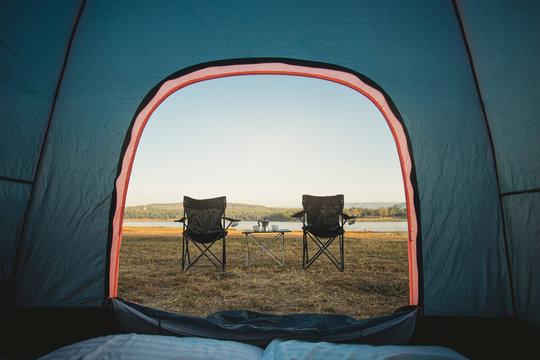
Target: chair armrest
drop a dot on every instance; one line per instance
(299, 214)
(232, 222)
(182, 220)
(348, 218)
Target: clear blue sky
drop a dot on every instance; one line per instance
(266, 139)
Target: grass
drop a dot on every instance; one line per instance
(375, 280)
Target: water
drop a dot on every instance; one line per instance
(377, 226)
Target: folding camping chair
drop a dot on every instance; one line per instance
(203, 225)
(323, 217)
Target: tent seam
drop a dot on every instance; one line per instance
(520, 192)
(492, 147)
(43, 144)
(20, 181)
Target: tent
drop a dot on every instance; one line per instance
(456, 80)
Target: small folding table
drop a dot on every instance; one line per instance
(264, 244)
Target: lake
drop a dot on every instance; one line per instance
(377, 226)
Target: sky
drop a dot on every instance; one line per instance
(266, 140)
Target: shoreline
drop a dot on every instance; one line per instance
(161, 230)
(389, 219)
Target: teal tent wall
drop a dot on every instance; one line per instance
(503, 37)
(473, 131)
(34, 40)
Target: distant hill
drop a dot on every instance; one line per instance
(247, 212)
(238, 211)
(373, 205)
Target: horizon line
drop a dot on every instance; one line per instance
(274, 206)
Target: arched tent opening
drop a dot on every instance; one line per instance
(263, 141)
(282, 67)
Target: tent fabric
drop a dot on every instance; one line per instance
(31, 66)
(35, 39)
(260, 329)
(503, 38)
(462, 75)
(523, 222)
(14, 197)
(508, 84)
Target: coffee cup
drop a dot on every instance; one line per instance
(256, 228)
(275, 227)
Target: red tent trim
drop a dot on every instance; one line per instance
(213, 72)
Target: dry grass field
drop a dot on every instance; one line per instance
(375, 280)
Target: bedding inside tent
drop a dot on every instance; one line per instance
(135, 346)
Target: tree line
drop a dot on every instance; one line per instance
(253, 212)
(395, 211)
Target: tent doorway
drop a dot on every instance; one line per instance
(174, 83)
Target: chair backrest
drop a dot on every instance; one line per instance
(205, 216)
(322, 212)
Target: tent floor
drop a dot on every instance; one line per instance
(479, 338)
(31, 333)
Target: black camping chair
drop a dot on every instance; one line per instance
(203, 225)
(323, 217)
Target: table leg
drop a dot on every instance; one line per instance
(282, 249)
(247, 250)
(265, 247)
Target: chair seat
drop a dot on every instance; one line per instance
(206, 237)
(323, 233)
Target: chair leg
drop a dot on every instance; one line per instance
(186, 258)
(323, 249)
(224, 257)
(342, 253)
(183, 252)
(204, 251)
(304, 251)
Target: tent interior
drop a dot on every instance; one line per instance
(456, 80)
